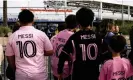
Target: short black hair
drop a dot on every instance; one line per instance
(61, 27)
(71, 22)
(85, 17)
(26, 16)
(117, 43)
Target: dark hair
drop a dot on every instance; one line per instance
(117, 43)
(61, 27)
(70, 21)
(26, 16)
(85, 17)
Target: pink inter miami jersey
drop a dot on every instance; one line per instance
(116, 69)
(29, 45)
(58, 41)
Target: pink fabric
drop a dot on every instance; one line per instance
(57, 40)
(30, 76)
(32, 60)
(116, 69)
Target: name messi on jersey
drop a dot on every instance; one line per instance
(25, 36)
(92, 36)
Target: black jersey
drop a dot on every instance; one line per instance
(85, 46)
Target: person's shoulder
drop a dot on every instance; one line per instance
(54, 37)
(11, 38)
(13, 34)
(74, 35)
(78, 33)
(126, 60)
(39, 32)
(111, 34)
(108, 62)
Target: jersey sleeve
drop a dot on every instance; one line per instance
(53, 39)
(47, 44)
(9, 49)
(103, 75)
(66, 51)
(130, 70)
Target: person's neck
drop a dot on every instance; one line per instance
(29, 24)
(86, 28)
(72, 30)
(110, 30)
(114, 54)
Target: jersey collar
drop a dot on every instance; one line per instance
(26, 27)
(116, 57)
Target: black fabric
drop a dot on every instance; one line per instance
(130, 56)
(82, 70)
(131, 38)
(10, 73)
(0, 77)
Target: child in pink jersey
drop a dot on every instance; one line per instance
(117, 68)
(26, 49)
(58, 42)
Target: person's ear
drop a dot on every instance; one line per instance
(32, 22)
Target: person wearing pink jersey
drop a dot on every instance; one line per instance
(26, 49)
(116, 68)
(59, 41)
(60, 28)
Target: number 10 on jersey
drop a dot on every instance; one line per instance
(23, 48)
(86, 51)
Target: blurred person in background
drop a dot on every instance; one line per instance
(117, 30)
(16, 27)
(58, 42)
(104, 26)
(107, 29)
(110, 33)
(26, 49)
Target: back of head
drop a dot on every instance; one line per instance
(61, 27)
(85, 17)
(117, 43)
(26, 16)
(71, 22)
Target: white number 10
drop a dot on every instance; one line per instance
(87, 51)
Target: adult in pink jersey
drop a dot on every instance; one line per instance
(117, 68)
(58, 42)
(26, 49)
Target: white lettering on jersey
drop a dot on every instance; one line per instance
(92, 36)
(88, 53)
